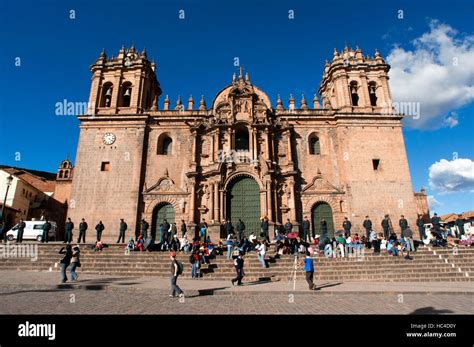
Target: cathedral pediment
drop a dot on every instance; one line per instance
(164, 185)
(321, 186)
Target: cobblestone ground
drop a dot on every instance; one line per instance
(17, 300)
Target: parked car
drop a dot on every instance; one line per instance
(33, 231)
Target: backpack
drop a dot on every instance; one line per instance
(192, 259)
(180, 267)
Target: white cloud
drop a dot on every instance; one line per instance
(438, 73)
(452, 176)
(451, 120)
(433, 203)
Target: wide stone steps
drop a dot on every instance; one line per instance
(427, 265)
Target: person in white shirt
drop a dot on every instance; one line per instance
(261, 248)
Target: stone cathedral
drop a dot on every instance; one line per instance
(241, 156)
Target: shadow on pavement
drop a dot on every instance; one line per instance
(328, 285)
(430, 310)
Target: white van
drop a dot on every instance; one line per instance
(33, 231)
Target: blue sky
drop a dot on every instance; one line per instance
(195, 56)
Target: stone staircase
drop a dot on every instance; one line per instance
(428, 264)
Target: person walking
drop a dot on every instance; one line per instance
(421, 227)
(239, 269)
(367, 226)
(240, 229)
(184, 229)
(46, 229)
(82, 231)
(408, 236)
(75, 262)
(306, 229)
(262, 249)
(99, 228)
(309, 270)
(68, 234)
(347, 225)
(176, 270)
(65, 261)
(122, 229)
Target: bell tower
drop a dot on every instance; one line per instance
(125, 84)
(354, 83)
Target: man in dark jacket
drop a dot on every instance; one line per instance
(408, 236)
(436, 221)
(183, 228)
(347, 225)
(144, 229)
(421, 227)
(241, 229)
(460, 224)
(324, 237)
(122, 229)
(228, 227)
(46, 229)
(367, 226)
(386, 227)
(99, 228)
(65, 261)
(239, 268)
(82, 231)
(21, 229)
(68, 234)
(265, 226)
(306, 232)
(403, 223)
(288, 227)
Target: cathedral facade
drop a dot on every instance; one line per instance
(241, 157)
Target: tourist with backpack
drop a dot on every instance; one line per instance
(176, 270)
(239, 268)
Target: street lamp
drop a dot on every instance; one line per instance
(9, 183)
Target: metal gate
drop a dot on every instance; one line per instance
(243, 201)
(322, 210)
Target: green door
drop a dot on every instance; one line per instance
(243, 201)
(162, 211)
(319, 211)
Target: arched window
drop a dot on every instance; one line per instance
(354, 96)
(241, 139)
(165, 144)
(314, 146)
(60, 174)
(125, 94)
(106, 97)
(66, 174)
(372, 93)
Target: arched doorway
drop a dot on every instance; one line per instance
(322, 210)
(243, 201)
(162, 211)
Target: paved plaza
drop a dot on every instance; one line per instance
(41, 293)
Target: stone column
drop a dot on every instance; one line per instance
(255, 145)
(290, 149)
(269, 200)
(194, 148)
(269, 149)
(292, 201)
(211, 201)
(192, 204)
(216, 202)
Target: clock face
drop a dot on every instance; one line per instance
(109, 138)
